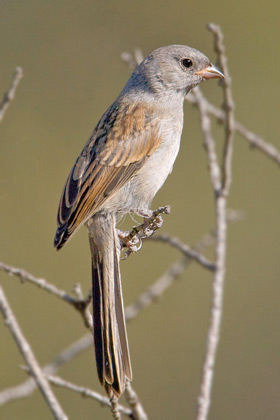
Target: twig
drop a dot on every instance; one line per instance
(221, 189)
(26, 388)
(10, 94)
(86, 392)
(185, 249)
(42, 283)
(80, 305)
(208, 141)
(30, 359)
(255, 140)
(115, 408)
(228, 105)
(134, 403)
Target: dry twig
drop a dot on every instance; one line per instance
(80, 304)
(254, 140)
(30, 359)
(10, 94)
(221, 185)
(26, 388)
(86, 392)
(185, 249)
(134, 403)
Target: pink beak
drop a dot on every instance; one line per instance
(210, 72)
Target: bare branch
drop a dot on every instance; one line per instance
(208, 141)
(134, 403)
(228, 106)
(80, 305)
(26, 388)
(115, 408)
(204, 398)
(42, 283)
(255, 140)
(10, 94)
(185, 249)
(86, 392)
(30, 359)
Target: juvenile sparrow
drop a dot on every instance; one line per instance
(124, 163)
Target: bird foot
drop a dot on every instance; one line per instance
(153, 221)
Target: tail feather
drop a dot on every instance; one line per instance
(110, 338)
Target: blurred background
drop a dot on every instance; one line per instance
(70, 54)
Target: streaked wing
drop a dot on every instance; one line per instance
(124, 138)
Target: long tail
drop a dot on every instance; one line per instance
(110, 338)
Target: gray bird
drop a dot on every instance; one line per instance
(122, 166)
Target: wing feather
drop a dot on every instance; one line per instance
(124, 138)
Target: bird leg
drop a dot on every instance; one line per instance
(130, 239)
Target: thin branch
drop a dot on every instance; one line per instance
(86, 392)
(80, 305)
(255, 140)
(213, 335)
(134, 403)
(115, 408)
(208, 141)
(185, 249)
(30, 359)
(26, 388)
(10, 94)
(228, 106)
(42, 283)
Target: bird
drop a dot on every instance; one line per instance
(125, 161)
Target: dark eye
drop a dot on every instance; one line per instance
(187, 62)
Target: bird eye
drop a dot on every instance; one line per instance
(186, 62)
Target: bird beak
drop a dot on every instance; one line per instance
(210, 72)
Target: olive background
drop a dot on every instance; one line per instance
(70, 55)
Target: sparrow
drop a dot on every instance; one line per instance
(122, 166)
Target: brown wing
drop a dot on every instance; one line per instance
(124, 138)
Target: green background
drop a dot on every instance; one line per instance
(70, 55)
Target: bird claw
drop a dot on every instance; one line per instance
(129, 243)
(131, 249)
